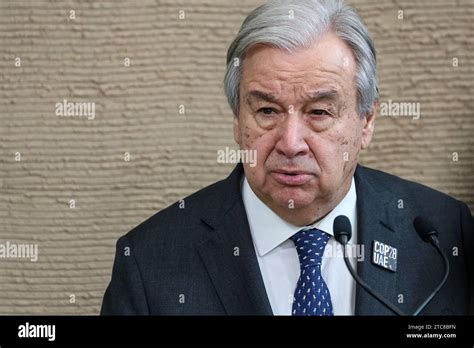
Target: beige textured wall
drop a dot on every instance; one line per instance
(177, 62)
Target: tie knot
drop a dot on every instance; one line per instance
(310, 246)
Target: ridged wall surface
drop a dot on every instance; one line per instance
(48, 160)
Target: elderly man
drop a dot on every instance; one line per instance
(301, 81)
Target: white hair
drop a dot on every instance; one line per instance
(293, 24)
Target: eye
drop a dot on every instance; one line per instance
(320, 112)
(266, 111)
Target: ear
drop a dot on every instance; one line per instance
(368, 126)
(237, 134)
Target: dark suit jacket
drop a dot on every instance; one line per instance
(200, 259)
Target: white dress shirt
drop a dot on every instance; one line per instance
(278, 259)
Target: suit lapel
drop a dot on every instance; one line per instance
(378, 219)
(229, 254)
(230, 259)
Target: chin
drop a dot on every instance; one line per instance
(299, 197)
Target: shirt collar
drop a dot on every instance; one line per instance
(269, 230)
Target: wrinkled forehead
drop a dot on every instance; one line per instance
(327, 68)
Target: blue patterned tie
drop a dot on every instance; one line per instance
(311, 294)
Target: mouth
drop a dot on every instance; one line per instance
(291, 177)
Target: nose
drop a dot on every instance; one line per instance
(291, 142)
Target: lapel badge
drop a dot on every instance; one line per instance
(384, 255)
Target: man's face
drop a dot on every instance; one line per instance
(299, 112)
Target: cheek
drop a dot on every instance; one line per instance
(349, 151)
(326, 149)
(262, 143)
(334, 152)
(249, 137)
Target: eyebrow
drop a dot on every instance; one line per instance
(260, 95)
(327, 94)
(330, 95)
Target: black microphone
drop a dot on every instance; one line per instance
(343, 232)
(428, 233)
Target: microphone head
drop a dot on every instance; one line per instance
(342, 229)
(424, 228)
